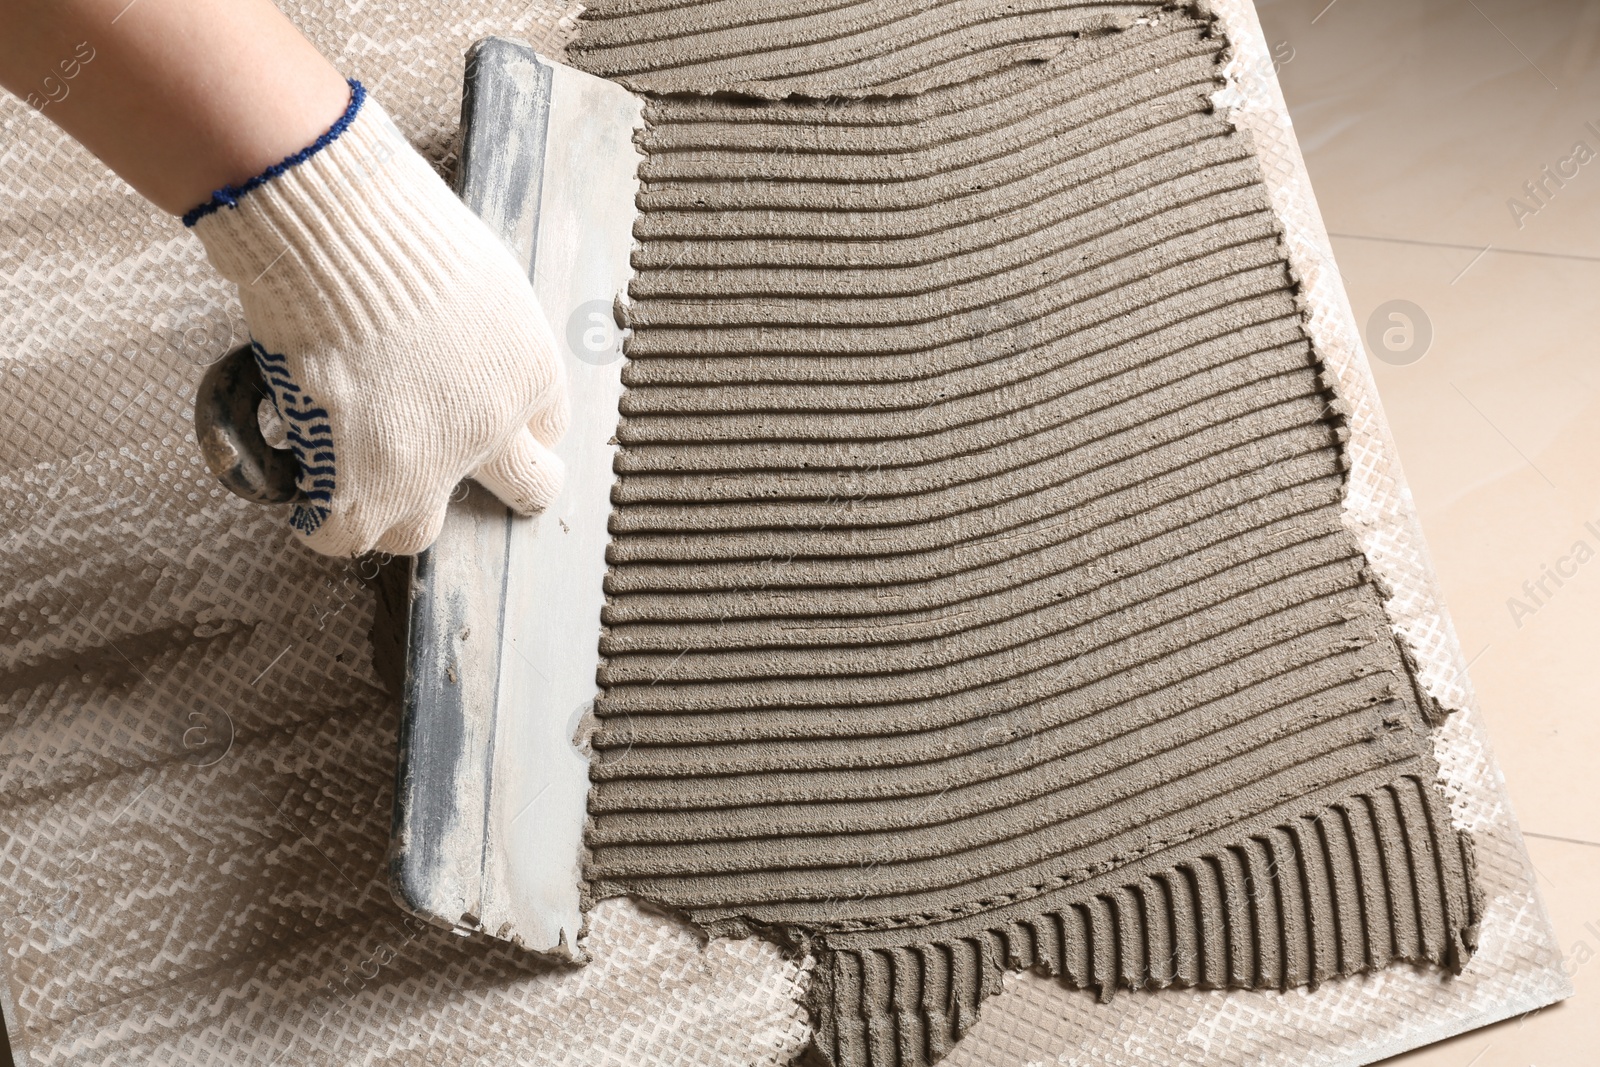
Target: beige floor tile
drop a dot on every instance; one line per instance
(1422, 119)
(1499, 432)
(1567, 1035)
(1419, 122)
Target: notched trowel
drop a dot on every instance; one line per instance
(503, 616)
(505, 612)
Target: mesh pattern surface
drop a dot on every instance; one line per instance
(166, 896)
(168, 901)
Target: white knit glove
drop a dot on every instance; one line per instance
(400, 337)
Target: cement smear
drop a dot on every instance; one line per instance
(980, 597)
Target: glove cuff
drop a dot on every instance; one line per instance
(228, 196)
(340, 240)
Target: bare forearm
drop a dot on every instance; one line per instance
(179, 97)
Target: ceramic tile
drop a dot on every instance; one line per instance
(1562, 1036)
(1419, 122)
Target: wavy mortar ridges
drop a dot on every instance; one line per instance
(979, 596)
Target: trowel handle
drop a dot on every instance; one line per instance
(226, 425)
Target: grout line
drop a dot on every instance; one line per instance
(1469, 248)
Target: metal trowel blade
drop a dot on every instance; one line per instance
(503, 619)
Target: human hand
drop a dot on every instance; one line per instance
(401, 339)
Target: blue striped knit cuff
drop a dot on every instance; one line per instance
(228, 195)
